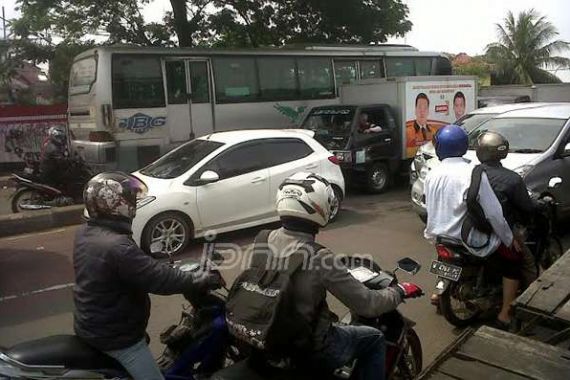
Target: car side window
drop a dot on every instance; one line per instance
(239, 160)
(281, 151)
(370, 123)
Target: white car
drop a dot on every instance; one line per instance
(539, 138)
(224, 182)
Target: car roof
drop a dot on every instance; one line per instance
(507, 108)
(243, 135)
(544, 111)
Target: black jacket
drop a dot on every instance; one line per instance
(511, 192)
(53, 163)
(113, 278)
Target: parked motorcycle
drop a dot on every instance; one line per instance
(404, 350)
(196, 347)
(31, 194)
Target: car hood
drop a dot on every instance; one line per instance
(513, 160)
(155, 185)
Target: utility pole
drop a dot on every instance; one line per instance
(4, 22)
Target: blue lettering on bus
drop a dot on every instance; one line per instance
(141, 123)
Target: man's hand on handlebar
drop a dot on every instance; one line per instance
(208, 280)
(409, 290)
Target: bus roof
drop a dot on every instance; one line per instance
(310, 50)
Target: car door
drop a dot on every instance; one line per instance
(559, 170)
(380, 145)
(242, 193)
(289, 156)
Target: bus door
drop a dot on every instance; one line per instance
(189, 98)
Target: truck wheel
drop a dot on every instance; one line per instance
(378, 178)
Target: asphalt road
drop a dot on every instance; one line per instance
(36, 271)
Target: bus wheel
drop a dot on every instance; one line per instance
(378, 178)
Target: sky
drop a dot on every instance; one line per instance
(451, 26)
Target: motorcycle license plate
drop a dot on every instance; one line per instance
(445, 270)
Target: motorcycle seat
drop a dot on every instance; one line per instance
(68, 351)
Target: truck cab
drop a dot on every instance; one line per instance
(365, 139)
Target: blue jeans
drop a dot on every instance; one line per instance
(138, 361)
(346, 343)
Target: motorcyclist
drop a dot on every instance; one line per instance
(54, 156)
(304, 206)
(113, 276)
(518, 207)
(446, 189)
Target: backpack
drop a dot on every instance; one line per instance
(260, 309)
(475, 218)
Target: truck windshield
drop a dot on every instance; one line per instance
(180, 160)
(332, 126)
(525, 135)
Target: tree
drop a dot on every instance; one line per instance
(526, 50)
(478, 65)
(54, 31)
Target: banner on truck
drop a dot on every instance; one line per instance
(431, 105)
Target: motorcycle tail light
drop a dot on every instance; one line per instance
(444, 253)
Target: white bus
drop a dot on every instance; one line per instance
(128, 105)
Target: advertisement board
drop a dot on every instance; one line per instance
(431, 105)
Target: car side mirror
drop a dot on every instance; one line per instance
(209, 176)
(409, 265)
(554, 182)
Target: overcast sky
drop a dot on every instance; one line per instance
(452, 26)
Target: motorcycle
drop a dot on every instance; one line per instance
(196, 347)
(31, 194)
(469, 286)
(403, 353)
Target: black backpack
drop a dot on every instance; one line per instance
(475, 218)
(261, 310)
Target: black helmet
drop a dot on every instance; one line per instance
(492, 146)
(113, 195)
(57, 134)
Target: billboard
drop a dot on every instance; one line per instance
(431, 105)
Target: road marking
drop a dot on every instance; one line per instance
(25, 236)
(33, 292)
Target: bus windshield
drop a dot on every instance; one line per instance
(180, 160)
(83, 75)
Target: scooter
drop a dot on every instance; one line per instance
(196, 347)
(404, 350)
(31, 194)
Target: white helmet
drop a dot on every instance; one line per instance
(306, 196)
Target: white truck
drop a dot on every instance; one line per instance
(380, 124)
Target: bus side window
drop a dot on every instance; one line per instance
(371, 69)
(423, 65)
(400, 66)
(137, 82)
(236, 79)
(315, 78)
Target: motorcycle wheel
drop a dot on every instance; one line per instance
(455, 309)
(552, 252)
(23, 196)
(411, 362)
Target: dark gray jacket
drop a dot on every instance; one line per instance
(112, 280)
(311, 283)
(512, 193)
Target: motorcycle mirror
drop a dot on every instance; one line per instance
(409, 265)
(554, 182)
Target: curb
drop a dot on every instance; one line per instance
(33, 221)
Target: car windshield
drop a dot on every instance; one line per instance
(180, 160)
(329, 122)
(525, 135)
(472, 120)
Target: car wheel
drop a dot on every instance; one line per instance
(172, 229)
(378, 178)
(336, 205)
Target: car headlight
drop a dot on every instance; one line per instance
(523, 170)
(144, 201)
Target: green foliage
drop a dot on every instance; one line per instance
(476, 66)
(526, 48)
